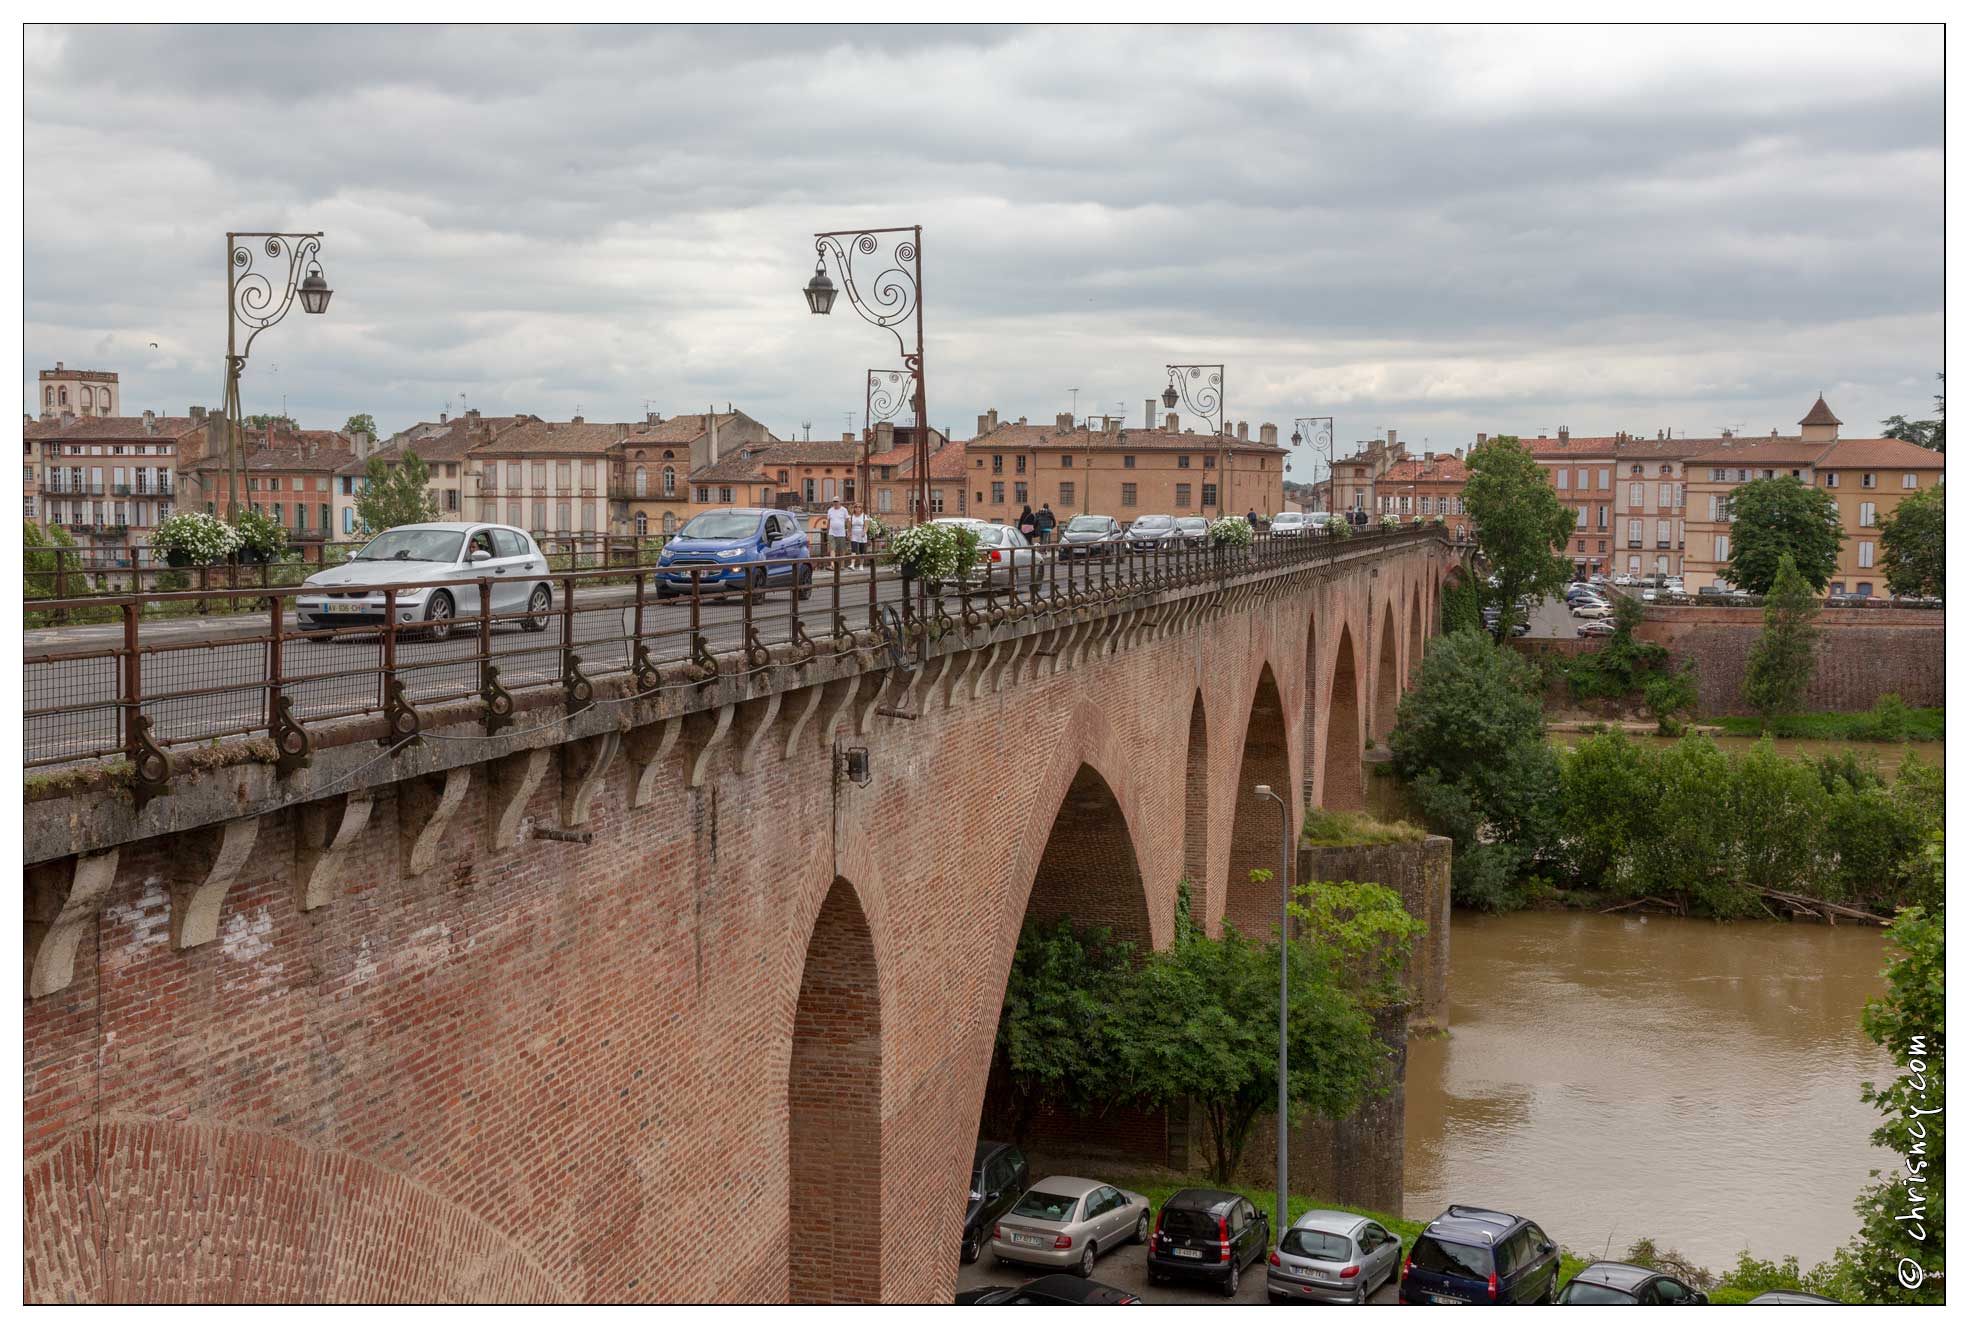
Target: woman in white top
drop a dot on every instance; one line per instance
(857, 536)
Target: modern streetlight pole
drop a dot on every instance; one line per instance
(1310, 428)
(1282, 1220)
(256, 301)
(889, 294)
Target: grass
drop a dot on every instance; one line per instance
(1336, 828)
(1159, 1189)
(1890, 720)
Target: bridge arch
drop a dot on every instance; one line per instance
(1196, 803)
(1255, 824)
(1088, 870)
(1340, 788)
(834, 1110)
(1415, 598)
(1387, 675)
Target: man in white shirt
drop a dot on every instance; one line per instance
(837, 529)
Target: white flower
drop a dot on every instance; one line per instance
(1232, 531)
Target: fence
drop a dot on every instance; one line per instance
(291, 659)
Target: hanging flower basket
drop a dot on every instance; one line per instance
(1231, 533)
(1339, 527)
(194, 539)
(934, 552)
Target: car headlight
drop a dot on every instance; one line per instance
(731, 553)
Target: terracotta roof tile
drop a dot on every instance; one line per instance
(1597, 446)
(1887, 453)
(1443, 470)
(1016, 437)
(677, 429)
(1788, 451)
(535, 438)
(811, 453)
(114, 428)
(1820, 414)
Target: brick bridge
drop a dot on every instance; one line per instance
(364, 1032)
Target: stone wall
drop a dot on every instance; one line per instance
(1863, 654)
(1419, 871)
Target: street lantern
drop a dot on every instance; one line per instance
(314, 291)
(1297, 439)
(820, 291)
(1169, 397)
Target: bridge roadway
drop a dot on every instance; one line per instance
(206, 677)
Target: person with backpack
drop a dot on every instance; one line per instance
(1043, 522)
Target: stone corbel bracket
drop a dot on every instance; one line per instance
(425, 810)
(213, 859)
(513, 782)
(585, 765)
(754, 726)
(648, 746)
(324, 834)
(62, 900)
(720, 727)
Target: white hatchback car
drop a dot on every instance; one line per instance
(432, 551)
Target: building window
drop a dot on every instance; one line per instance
(1722, 549)
(1634, 494)
(724, 493)
(1209, 494)
(936, 500)
(1019, 464)
(1560, 480)
(1066, 493)
(807, 489)
(1661, 534)
(669, 522)
(1832, 479)
(1605, 480)
(997, 491)
(1209, 463)
(1633, 532)
(642, 524)
(1182, 496)
(30, 507)
(1864, 588)
(1668, 496)
(642, 483)
(1866, 553)
(1579, 517)
(998, 463)
(1866, 479)
(1866, 515)
(882, 499)
(1019, 492)
(1128, 495)
(1601, 514)
(1128, 463)
(1066, 462)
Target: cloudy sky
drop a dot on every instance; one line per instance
(1435, 231)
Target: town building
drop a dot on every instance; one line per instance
(1101, 467)
(1431, 486)
(109, 480)
(1581, 472)
(549, 477)
(288, 475)
(1351, 484)
(90, 392)
(445, 448)
(892, 470)
(1651, 503)
(659, 467)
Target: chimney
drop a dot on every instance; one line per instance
(443, 418)
(1148, 413)
(1428, 457)
(578, 420)
(1169, 423)
(549, 424)
(1565, 432)
(1459, 454)
(653, 418)
(1243, 431)
(711, 421)
(1268, 435)
(885, 436)
(150, 422)
(1063, 422)
(847, 436)
(622, 431)
(1658, 436)
(1391, 438)
(983, 427)
(473, 415)
(1482, 439)
(992, 415)
(1111, 426)
(197, 413)
(58, 366)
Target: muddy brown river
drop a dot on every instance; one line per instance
(1615, 1077)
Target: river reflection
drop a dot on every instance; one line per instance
(1621, 1076)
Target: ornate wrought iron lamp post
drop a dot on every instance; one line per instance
(1311, 429)
(886, 391)
(1201, 388)
(256, 301)
(886, 290)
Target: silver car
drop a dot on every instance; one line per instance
(1067, 1223)
(432, 551)
(1333, 1256)
(1004, 552)
(1193, 530)
(1290, 523)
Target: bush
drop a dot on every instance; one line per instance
(1624, 666)
(1462, 607)
(1669, 697)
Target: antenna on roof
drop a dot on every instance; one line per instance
(807, 431)
(1076, 402)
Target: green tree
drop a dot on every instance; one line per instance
(361, 424)
(1462, 607)
(1059, 1029)
(279, 422)
(1921, 433)
(1911, 545)
(1208, 1032)
(1521, 526)
(1772, 518)
(1783, 659)
(1671, 697)
(38, 560)
(1470, 740)
(395, 495)
(1899, 1248)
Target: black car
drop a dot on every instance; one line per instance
(1470, 1256)
(1052, 1290)
(1208, 1234)
(1611, 1283)
(999, 1176)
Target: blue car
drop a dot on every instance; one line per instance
(1480, 1257)
(735, 549)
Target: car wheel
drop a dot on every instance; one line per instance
(1360, 1294)
(1087, 1261)
(755, 580)
(438, 613)
(538, 606)
(806, 581)
(1552, 1290)
(969, 1252)
(1142, 1229)
(1231, 1279)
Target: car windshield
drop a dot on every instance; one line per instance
(413, 544)
(1191, 523)
(1154, 523)
(720, 526)
(1288, 519)
(1088, 524)
(1450, 1257)
(1051, 1208)
(990, 535)
(1592, 1294)
(1316, 1245)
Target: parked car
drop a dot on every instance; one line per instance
(1005, 555)
(1051, 1290)
(1649, 596)
(1193, 530)
(1088, 534)
(1066, 1222)
(1623, 580)
(1208, 1234)
(1289, 523)
(1470, 1256)
(1332, 1256)
(431, 551)
(999, 1176)
(1597, 579)
(1520, 629)
(1592, 609)
(737, 549)
(1611, 1283)
(1716, 590)
(1791, 1297)
(1598, 627)
(1151, 532)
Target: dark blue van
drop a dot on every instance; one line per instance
(737, 549)
(1480, 1257)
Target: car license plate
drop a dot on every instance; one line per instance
(1188, 1255)
(1449, 1301)
(1025, 1240)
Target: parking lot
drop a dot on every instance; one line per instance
(1128, 1269)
